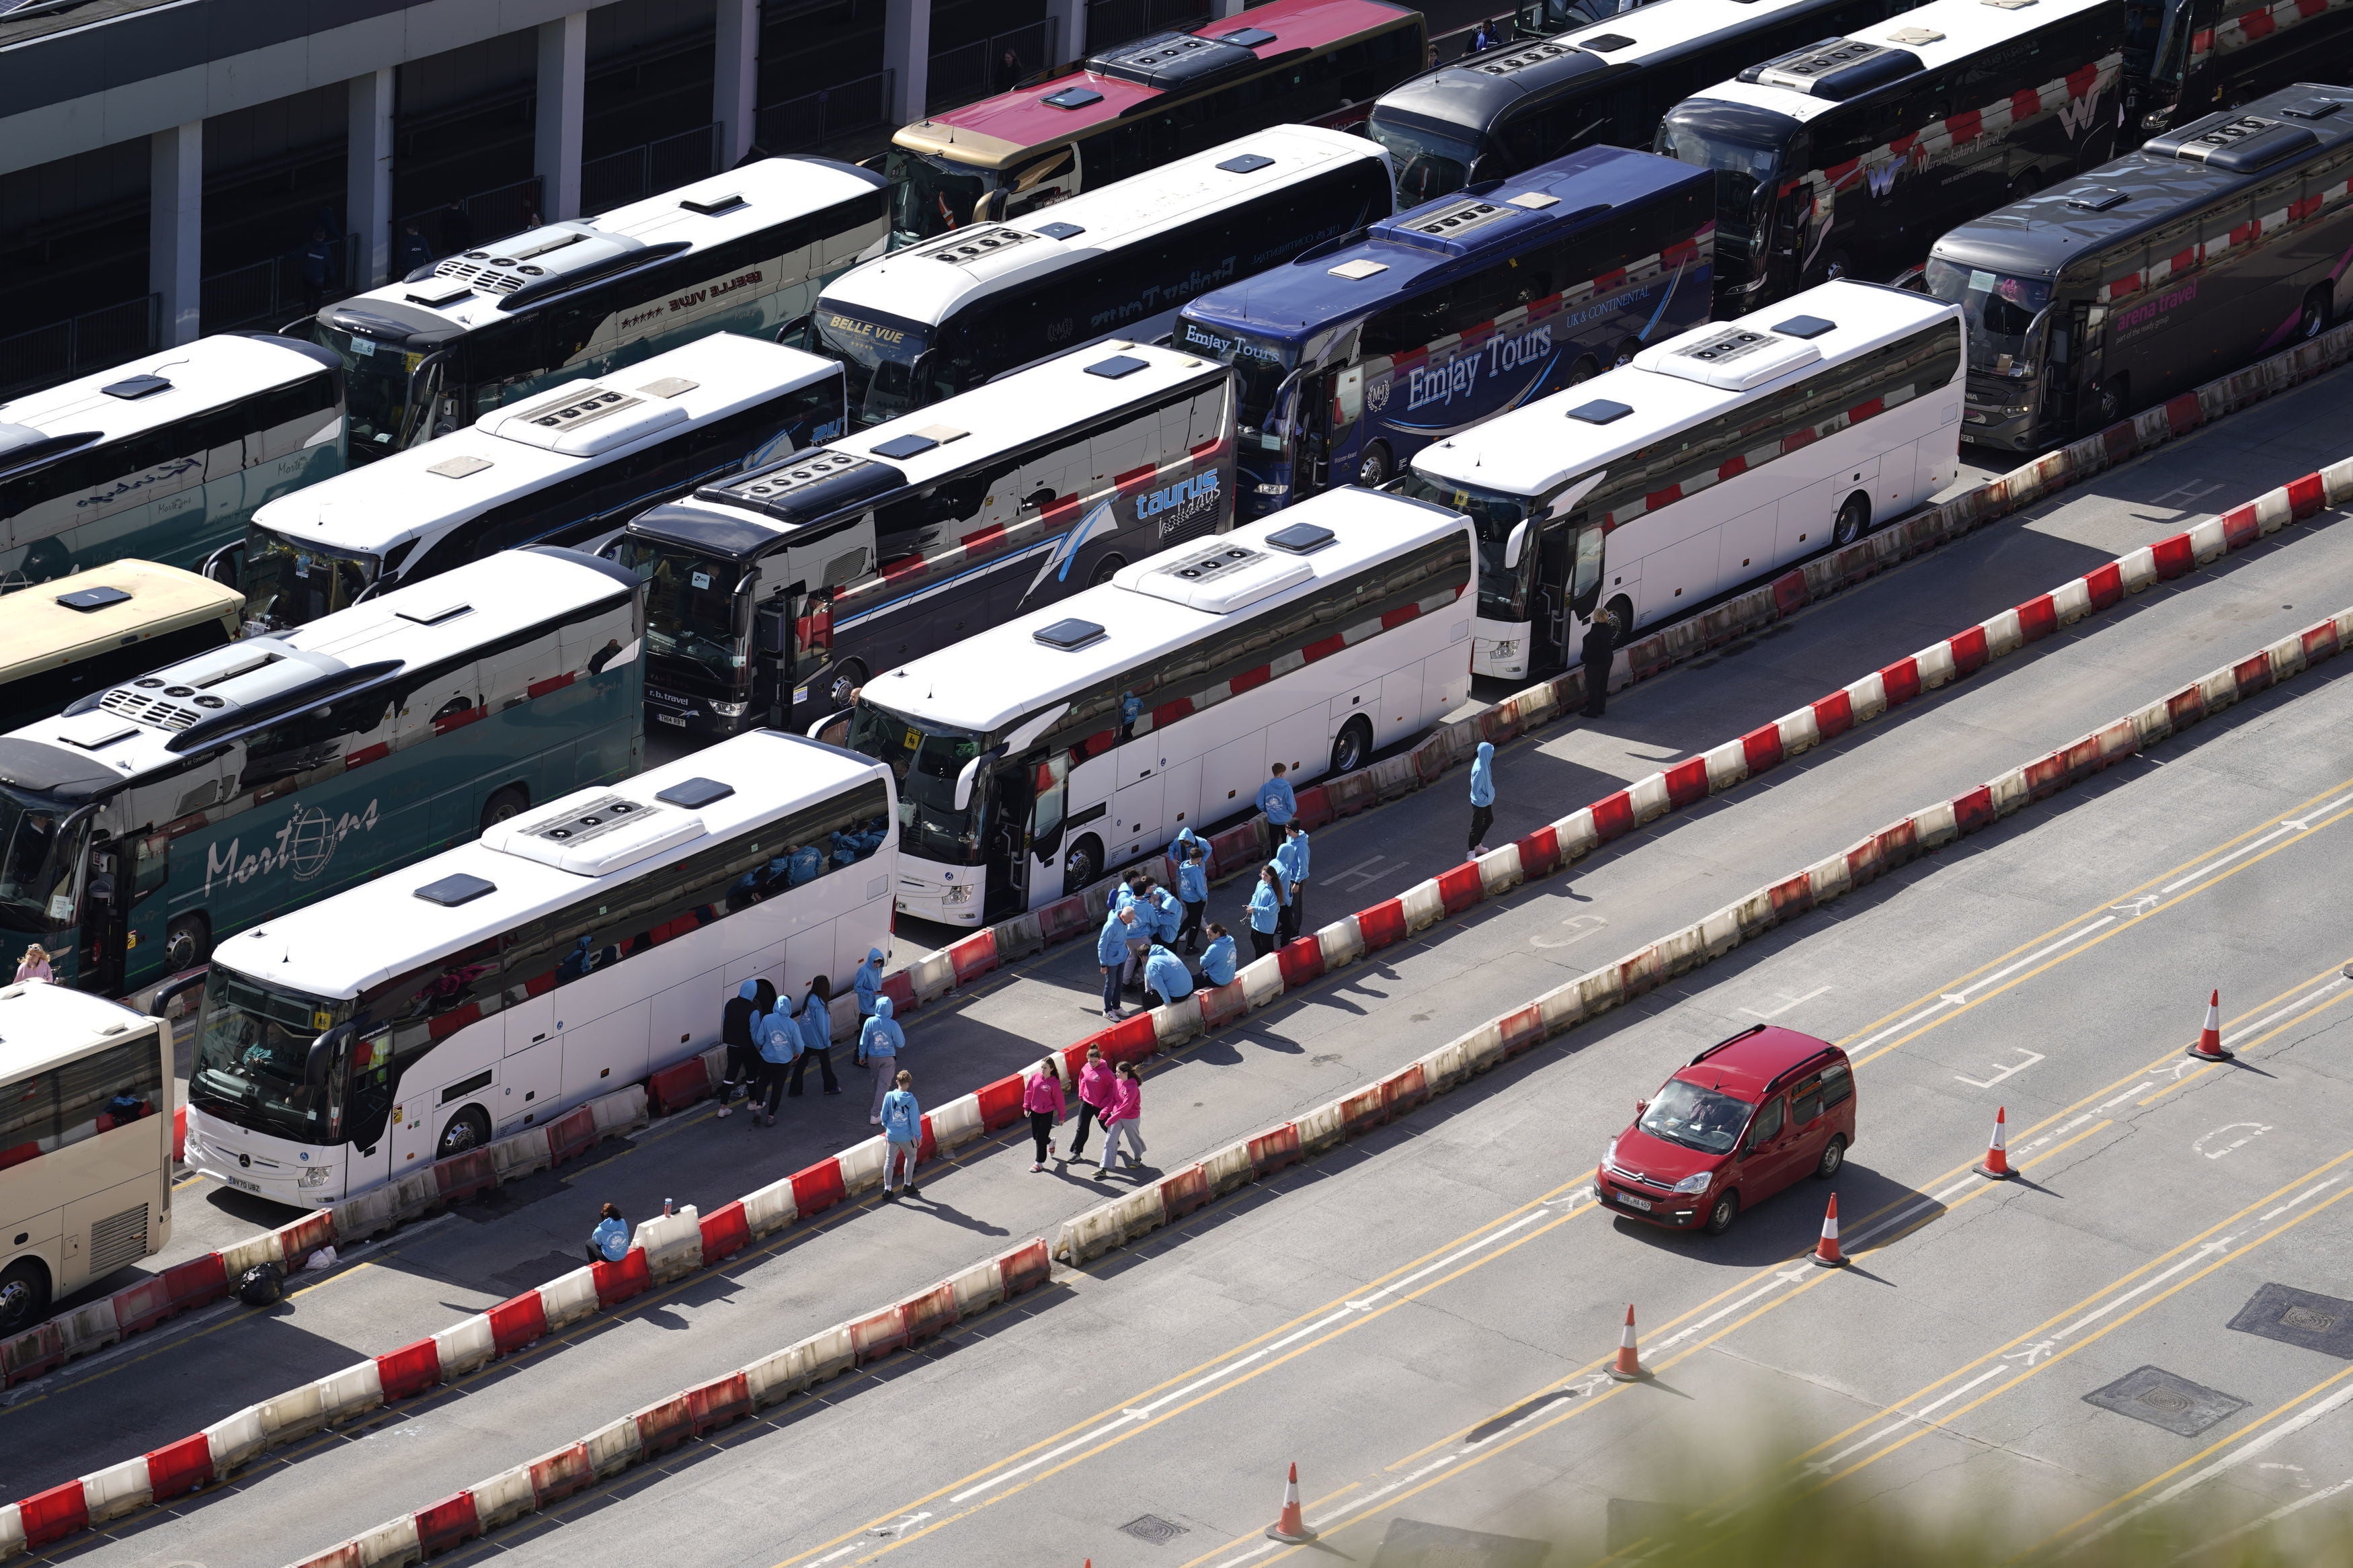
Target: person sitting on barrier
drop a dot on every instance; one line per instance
(609, 1242)
(1217, 962)
(1192, 892)
(1165, 976)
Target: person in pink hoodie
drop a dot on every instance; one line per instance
(1094, 1100)
(1042, 1098)
(1126, 1118)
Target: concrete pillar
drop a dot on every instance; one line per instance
(1070, 18)
(368, 175)
(907, 55)
(555, 138)
(175, 223)
(735, 78)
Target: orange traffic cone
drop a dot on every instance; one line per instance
(2209, 1047)
(1826, 1251)
(1291, 1528)
(1628, 1368)
(1996, 1159)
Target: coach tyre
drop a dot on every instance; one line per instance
(470, 1129)
(511, 801)
(1373, 468)
(2315, 319)
(1352, 745)
(1854, 520)
(1082, 865)
(847, 676)
(187, 941)
(24, 1296)
(1105, 568)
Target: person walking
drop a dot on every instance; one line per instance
(1482, 797)
(1041, 1096)
(817, 1035)
(1291, 859)
(742, 1054)
(1265, 911)
(1094, 1100)
(878, 1039)
(35, 965)
(1276, 799)
(867, 983)
(609, 1242)
(779, 1034)
(1218, 961)
(1193, 893)
(1111, 957)
(1125, 1120)
(1601, 649)
(1165, 976)
(903, 1135)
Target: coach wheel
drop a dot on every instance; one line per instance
(2315, 319)
(2023, 186)
(847, 676)
(24, 1296)
(1854, 520)
(1621, 610)
(1105, 568)
(1082, 865)
(1352, 746)
(1727, 1210)
(511, 801)
(2108, 402)
(470, 1129)
(1586, 370)
(187, 943)
(1628, 350)
(1373, 468)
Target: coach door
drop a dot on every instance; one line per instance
(1006, 832)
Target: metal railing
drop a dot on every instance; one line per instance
(79, 345)
(979, 71)
(270, 292)
(1111, 23)
(620, 178)
(461, 224)
(810, 121)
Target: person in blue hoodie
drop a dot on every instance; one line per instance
(1217, 962)
(816, 1035)
(879, 1039)
(1192, 891)
(609, 1242)
(1111, 956)
(1482, 797)
(902, 1120)
(1276, 799)
(779, 1034)
(867, 982)
(1291, 859)
(1266, 909)
(1167, 914)
(1165, 976)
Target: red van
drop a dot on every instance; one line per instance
(1748, 1118)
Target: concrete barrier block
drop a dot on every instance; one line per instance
(1228, 1168)
(1867, 698)
(244, 1254)
(2071, 601)
(463, 1346)
(620, 1112)
(520, 1154)
(293, 1413)
(569, 1297)
(1261, 980)
(614, 1447)
(976, 1288)
(672, 1243)
(392, 1544)
(1499, 871)
(1577, 835)
(1447, 1065)
(957, 1123)
(116, 1491)
(862, 1166)
(503, 1497)
(356, 1390)
(1800, 731)
(234, 1440)
(2138, 568)
(2002, 635)
(1728, 765)
(1343, 943)
(769, 1209)
(1562, 1008)
(1423, 903)
(1321, 1128)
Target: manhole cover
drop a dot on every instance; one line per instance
(1153, 1529)
(2165, 1399)
(2297, 1316)
(1414, 1543)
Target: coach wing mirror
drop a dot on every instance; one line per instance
(990, 208)
(796, 333)
(971, 771)
(330, 1045)
(227, 565)
(1512, 546)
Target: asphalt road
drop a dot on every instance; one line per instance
(1340, 1034)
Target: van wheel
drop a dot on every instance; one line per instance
(1833, 1159)
(24, 1296)
(1854, 520)
(511, 801)
(1373, 470)
(847, 676)
(1352, 746)
(1104, 570)
(468, 1129)
(2315, 319)
(1727, 1210)
(1082, 865)
(187, 941)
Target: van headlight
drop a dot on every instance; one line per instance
(1697, 1184)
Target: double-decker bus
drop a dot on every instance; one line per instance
(563, 954)
(164, 458)
(1493, 114)
(743, 251)
(1850, 156)
(772, 596)
(1353, 358)
(1138, 106)
(98, 628)
(2186, 57)
(1711, 462)
(1032, 756)
(85, 1117)
(941, 317)
(2214, 242)
(558, 469)
(155, 816)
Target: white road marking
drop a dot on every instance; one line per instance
(2228, 1462)
(2134, 907)
(2298, 1198)
(1788, 1001)
(1579, 928)
(1362, 871)
(2112, 1104)
(2002, 1073)
(2255, 1129)
(2287, 825)
(1960, 997)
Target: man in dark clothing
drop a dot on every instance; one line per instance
(413, 252)
(735, 1033)
(1601, 647)
(318, 264)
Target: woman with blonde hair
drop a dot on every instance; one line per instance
(36, 964)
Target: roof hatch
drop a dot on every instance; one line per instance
(2235, 143)
(1444, 231)
(1223, 577)
(596, 838)
(585, 419)
(1835, 69)
(1172, 61)
(1732, 359)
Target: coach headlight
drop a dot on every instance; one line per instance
(316, 1176)
(730, 710)
(957, 893)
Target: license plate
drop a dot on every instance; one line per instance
(672, 719)
(241, 1184)
(1635, 1202)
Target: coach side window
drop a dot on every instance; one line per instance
(108, 1089)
